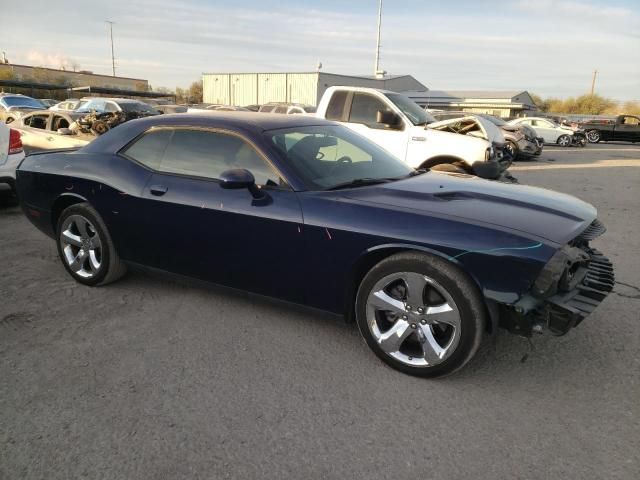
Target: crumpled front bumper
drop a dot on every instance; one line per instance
(567, 309)
(570, 287)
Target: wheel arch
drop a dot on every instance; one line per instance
(372, 256)
(442, 159)
(64, 201)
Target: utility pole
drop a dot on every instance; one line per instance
(376, 67)
(593, 81)
(113, 58)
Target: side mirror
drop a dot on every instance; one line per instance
(237, 178)
(241, 178)
(65, 131)
(388, 118)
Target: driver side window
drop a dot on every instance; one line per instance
(364, 109)
(200, 153)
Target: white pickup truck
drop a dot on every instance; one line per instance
(395, 122)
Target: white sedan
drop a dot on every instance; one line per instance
(11, 154)
(48, 129)
(549, 130)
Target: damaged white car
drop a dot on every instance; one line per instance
(470, 145)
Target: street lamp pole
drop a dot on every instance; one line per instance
(113, 58)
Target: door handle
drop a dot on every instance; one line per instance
(158, 190)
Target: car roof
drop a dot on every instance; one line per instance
(252, 123)
(256, 121)
(114, 99)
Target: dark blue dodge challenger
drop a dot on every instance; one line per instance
(309, 212)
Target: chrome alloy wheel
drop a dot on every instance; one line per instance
(81, 246)
(564, 140)
(593, 136)
(413, 319)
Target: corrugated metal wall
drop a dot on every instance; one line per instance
(215, 88)
(303, 88)
(259, 88)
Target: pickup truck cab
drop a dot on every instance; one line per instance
(396, 123)
(625, 128)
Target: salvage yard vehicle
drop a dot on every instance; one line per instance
(307, 211)
(14, 106)
(287, 108)
(102, 114)
(50, 130)
(11, 154)
(549, 130)
(68, 105)
(470, 145)
(47, 102)
(625, 128)
(521, 140)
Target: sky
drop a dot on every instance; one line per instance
(548, 47)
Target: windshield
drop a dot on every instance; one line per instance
(411, 109)
(27, 102)
(137, 107)
(325, 156)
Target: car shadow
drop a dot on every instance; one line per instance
(502, 357)
(8, 200)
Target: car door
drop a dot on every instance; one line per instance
(628, 129)
(192, 226)
(35, 130)
(60, 121)
(546, 130)
(362, 118)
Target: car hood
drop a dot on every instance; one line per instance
(539, 213)
(488, 130)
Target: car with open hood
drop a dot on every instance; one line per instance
(309, 212)
(521, 141)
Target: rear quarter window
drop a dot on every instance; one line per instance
(149, 149)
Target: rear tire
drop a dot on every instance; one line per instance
(85, 246)
(564, 141)
(420, 314)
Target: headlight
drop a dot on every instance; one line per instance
(566, 268)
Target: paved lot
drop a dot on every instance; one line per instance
(152, 378)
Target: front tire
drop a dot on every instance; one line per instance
(512, 148)
(593, 136)
(420, 314)
(85, 246)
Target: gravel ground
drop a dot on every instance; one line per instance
(154, 378)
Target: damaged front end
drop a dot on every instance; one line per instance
(569, 288)
(98, 123)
